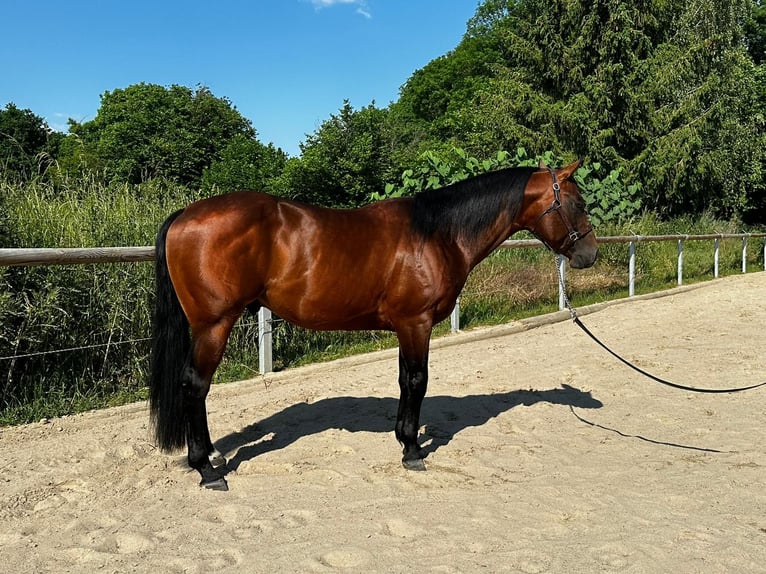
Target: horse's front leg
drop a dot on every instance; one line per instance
(413, 382)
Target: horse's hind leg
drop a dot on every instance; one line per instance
(209, 342)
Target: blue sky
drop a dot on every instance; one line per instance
(287, 65)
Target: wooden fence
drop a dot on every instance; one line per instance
(81, 256)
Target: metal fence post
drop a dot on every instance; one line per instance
(265, 343)
(715, 257)
(744, 255)
(631, 268)
(454, 318)
(562, 284)
(680, 261)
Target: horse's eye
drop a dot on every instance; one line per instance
(578, 204)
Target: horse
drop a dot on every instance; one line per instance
(398, 265)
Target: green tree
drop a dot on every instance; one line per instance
(661, 90)
(245, 163)
(755, 32)
(429, 112)
(569, 81)
(27, 145)
(705, 147)
(147, 131)
(342, 162)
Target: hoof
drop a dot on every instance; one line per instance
(216, 459)
(219, 484)
(416, 464)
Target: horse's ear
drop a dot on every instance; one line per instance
(542, 165)
(566, 172)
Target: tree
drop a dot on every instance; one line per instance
(428, 113)
(343, 162)
(27, 145)
(755, 32)
(245, 163)
(147, 131)
(569, 81)
(662, 90)
(705, 147)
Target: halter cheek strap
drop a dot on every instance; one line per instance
(572, 234)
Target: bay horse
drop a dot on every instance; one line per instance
(397, 265)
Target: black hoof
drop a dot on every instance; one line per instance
(219, 484)
(416, 464)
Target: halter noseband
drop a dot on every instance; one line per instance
(572, 235)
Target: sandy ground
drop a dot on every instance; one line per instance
(545, 455)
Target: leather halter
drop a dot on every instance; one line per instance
(572, 234)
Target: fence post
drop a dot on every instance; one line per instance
(562, 284)
(632, 269)
(715, 258)
(744, 254)
(265, 346)
(680, 261)
(454, 318)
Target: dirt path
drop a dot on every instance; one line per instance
(545, 455)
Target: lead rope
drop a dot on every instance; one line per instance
(576, 320)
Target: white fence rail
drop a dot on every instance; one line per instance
(43, 256)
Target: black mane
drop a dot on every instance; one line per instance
(468, 207)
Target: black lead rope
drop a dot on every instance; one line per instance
(577, 322)
(627, 363)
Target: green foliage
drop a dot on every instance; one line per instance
(433, 93)
(146, 131)
(94, 307)
(245, 163)
(755, 32)
(706, 149)
(27, 144)
(435, 169)
(342, 162)
(664, 92)
(608, 199)
(88, 213)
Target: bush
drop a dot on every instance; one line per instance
(608, 199)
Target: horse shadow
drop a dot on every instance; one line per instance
(444, 416)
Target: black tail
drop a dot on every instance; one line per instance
(171, 348)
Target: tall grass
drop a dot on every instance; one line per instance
(104, 311)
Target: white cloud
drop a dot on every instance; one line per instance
(362, 7)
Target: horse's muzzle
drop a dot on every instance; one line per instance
(583, 257)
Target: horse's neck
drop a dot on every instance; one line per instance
(505, 225)
(477, 249)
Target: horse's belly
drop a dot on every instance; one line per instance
(324, 316)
